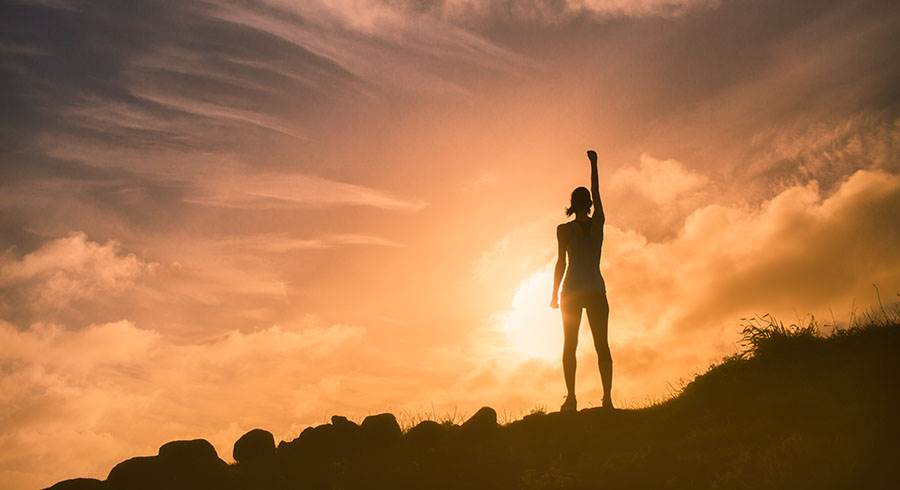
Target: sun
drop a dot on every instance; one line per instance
(533, 329)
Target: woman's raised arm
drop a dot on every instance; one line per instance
(599, 218)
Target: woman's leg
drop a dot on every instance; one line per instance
(598, 317)
(571, 318)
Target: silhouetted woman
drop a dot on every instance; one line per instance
(583, 287)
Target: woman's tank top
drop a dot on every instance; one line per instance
(583, 250)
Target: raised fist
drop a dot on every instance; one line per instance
(592, 156)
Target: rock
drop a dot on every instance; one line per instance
(78, 484)
(317, 438)
(426, 433)
(345, 434)
(256, 445)
(179, 464)
(341, 421)
(136, 473)
(484, 420)
(381, 429)
(257, 466)
(192, 456)
(314, 443)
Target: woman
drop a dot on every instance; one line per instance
(581, 240)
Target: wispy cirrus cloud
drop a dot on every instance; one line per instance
(391, 44)
(282, 243)
(552, 12)
(274, 191)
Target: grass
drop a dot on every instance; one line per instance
(794, 409)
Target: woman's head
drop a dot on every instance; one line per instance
(580, 201)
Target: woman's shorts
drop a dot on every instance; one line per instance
(583, 299)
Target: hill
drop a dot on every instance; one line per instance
(795, 410)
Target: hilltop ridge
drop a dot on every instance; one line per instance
(795, 410)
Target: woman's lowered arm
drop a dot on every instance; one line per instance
(560, 266)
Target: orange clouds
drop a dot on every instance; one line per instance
(676, 303)
(284, 210)
(64, 272)
(660, 181)
(81, 400)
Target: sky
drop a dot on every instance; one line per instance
(222, 215)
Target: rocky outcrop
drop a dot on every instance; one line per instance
(178, 464)
(720, 432)
(381, 429)
(484, 421)
(255, 446)
(426, 433)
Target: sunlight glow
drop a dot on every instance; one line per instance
(532, 328)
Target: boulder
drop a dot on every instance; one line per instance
(318, 438)
(484, 420)
(257, 466)
(79, 484)
(381, 429)
(314, 443)
(426, 433)
(136, 473)
(345, 433)
(343, 422)
(179, 464)
(192, 456)
(254, 446)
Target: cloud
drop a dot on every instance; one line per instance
(675, 307)
(274, 191)
(515, 255)
(658, 194)
(66, 271)
(75, 281)
(639, 8)
(796, 253)
(281, 243)
(676, 303)
(660, 181)
(554, 12)
(222, 113)
(72, 399)
(828, 149)
(78, 352)
(396, 46)
(273, 157)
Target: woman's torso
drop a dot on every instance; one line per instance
(583, 247)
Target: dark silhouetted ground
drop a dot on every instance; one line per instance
(795, 411)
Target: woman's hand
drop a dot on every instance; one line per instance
(554, 303)
(592, 156)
